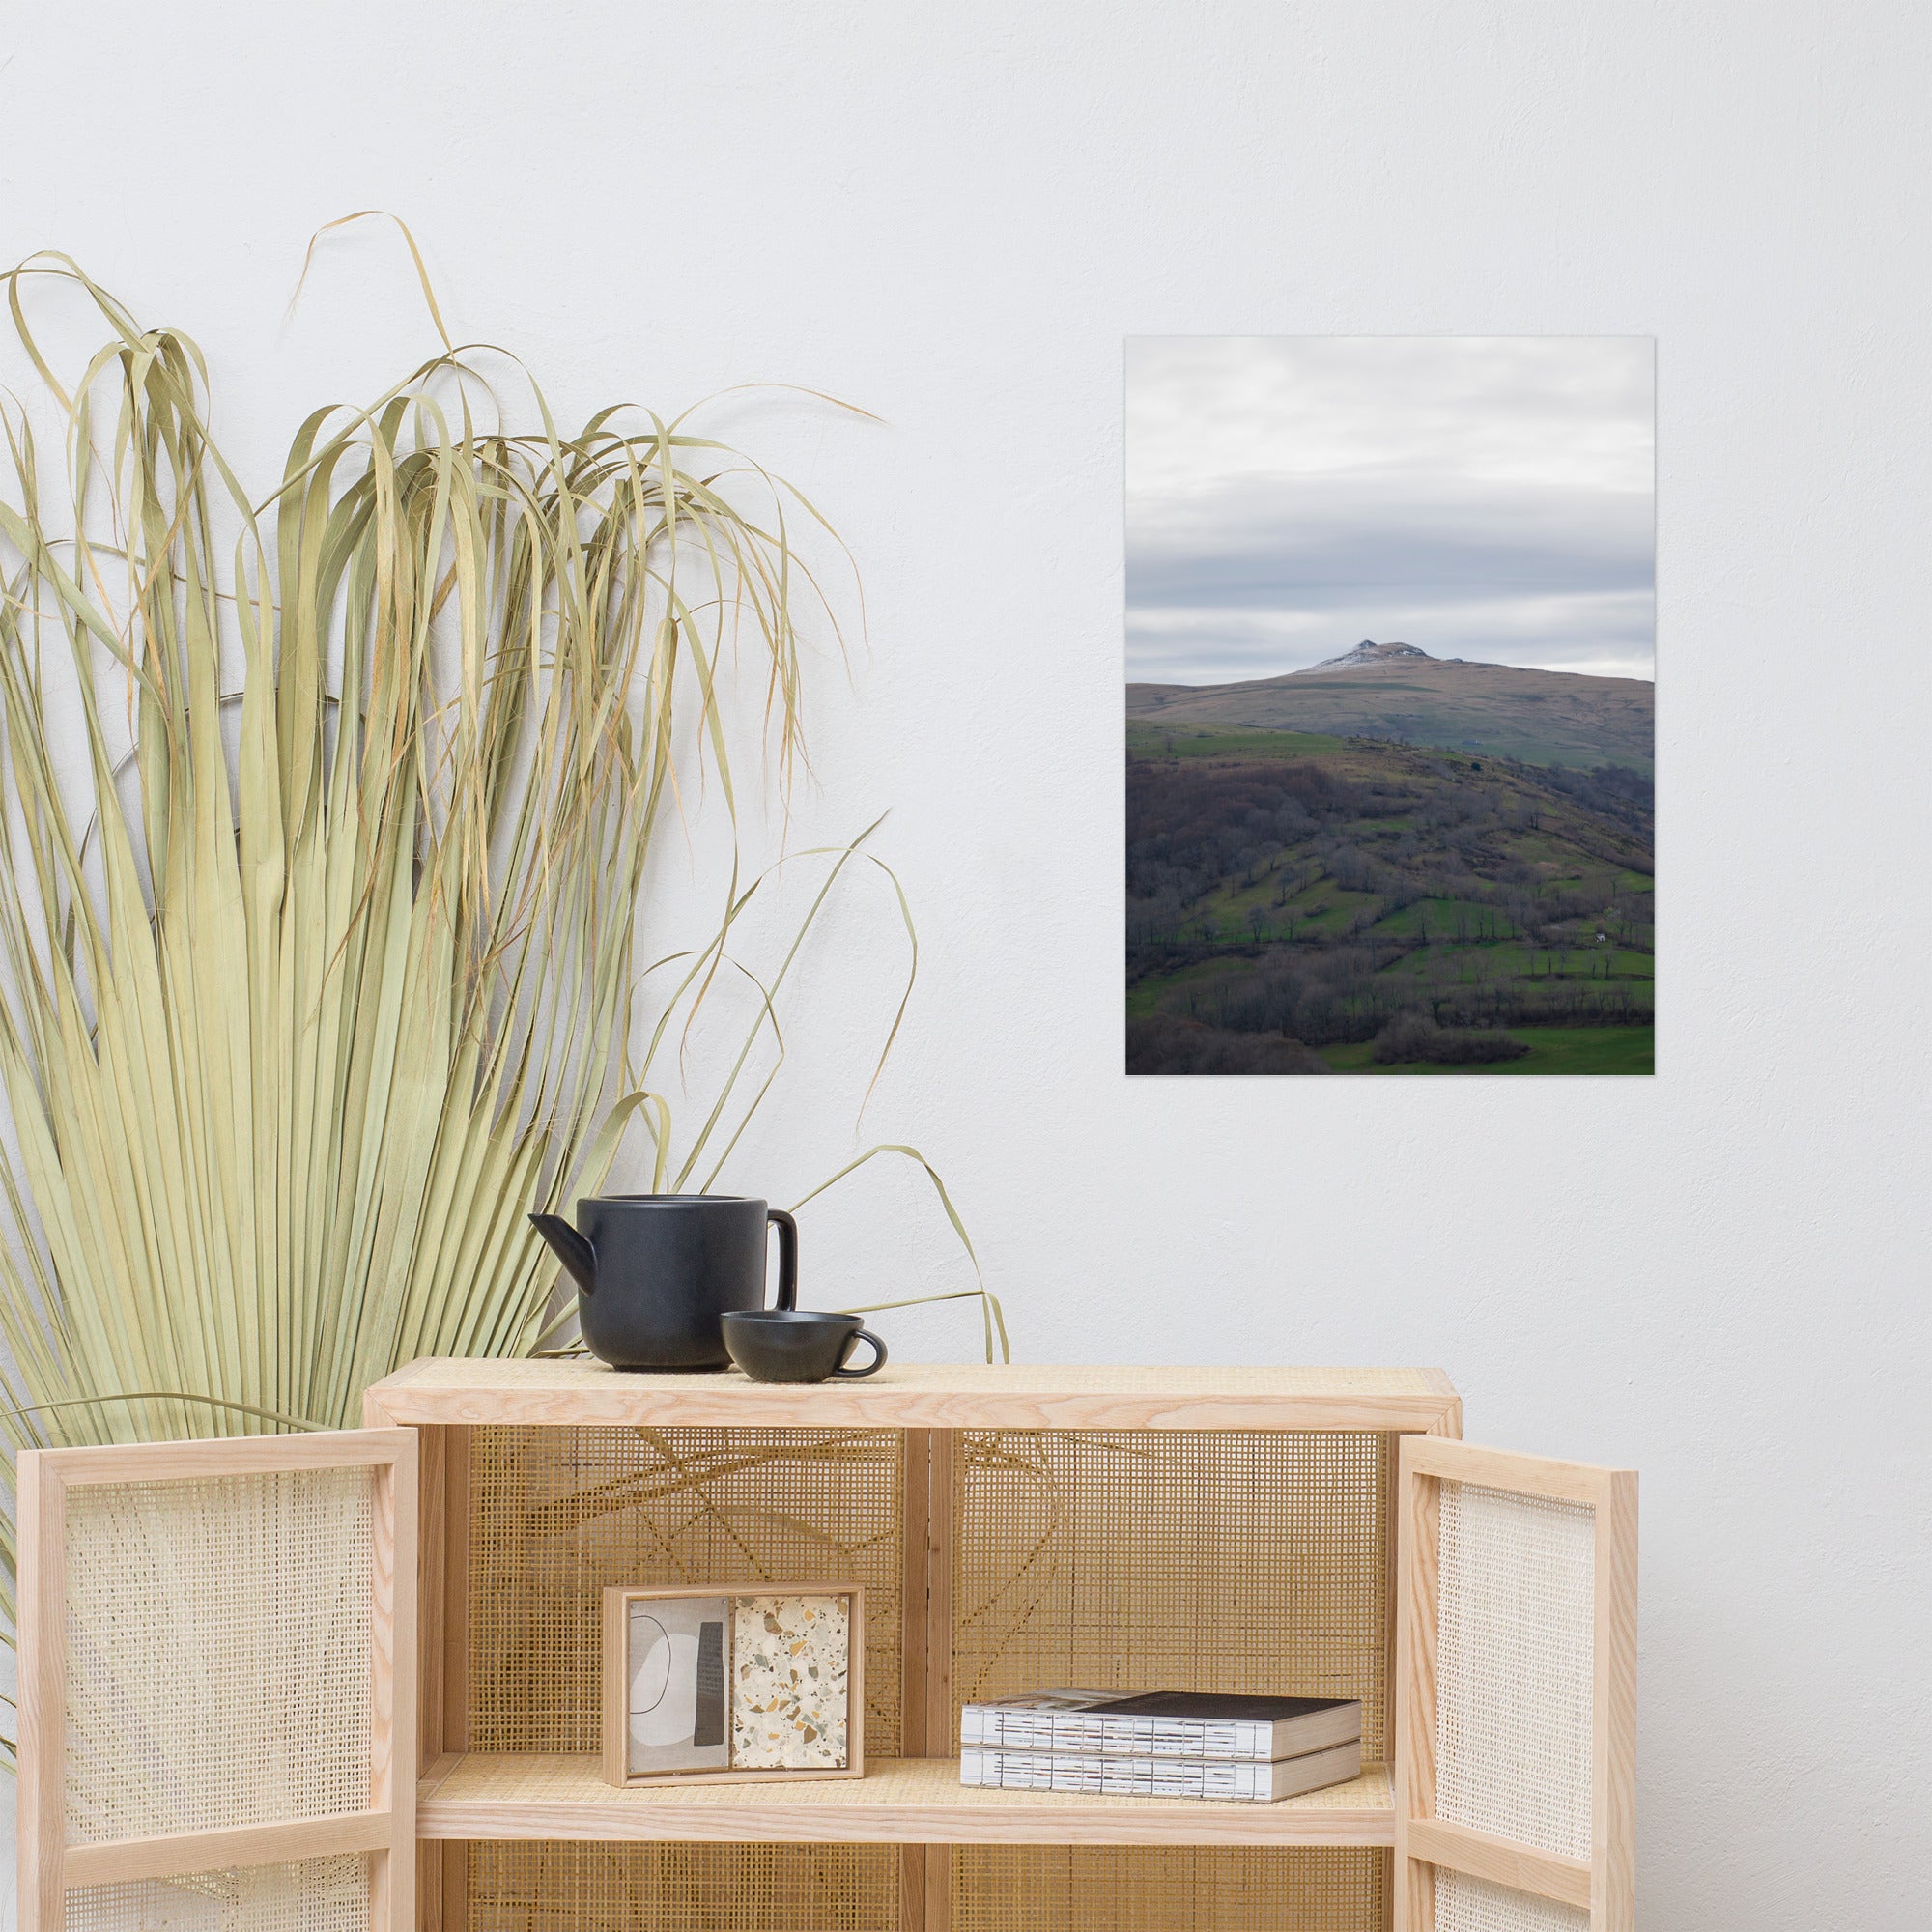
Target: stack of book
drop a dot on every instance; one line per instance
(1163, 1743)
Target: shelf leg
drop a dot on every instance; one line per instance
(925, 1682)
(443, 1687)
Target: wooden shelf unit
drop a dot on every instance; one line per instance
(1232, 1528)
(914, 1801)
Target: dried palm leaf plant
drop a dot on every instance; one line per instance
(320, 960)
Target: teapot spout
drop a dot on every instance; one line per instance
(570, 1248)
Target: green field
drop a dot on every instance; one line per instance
(1552, 1050)
(1146, 997)
(1234, 742)
(1488, 961)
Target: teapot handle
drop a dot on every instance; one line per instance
(788, 1257)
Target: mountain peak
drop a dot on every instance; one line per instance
(1369, 652)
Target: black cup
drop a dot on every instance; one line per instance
(789, 1345)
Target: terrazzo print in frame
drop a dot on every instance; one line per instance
(790, 1683)
(761, 1684)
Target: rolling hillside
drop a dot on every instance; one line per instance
(1398, 693)
(1300, 901)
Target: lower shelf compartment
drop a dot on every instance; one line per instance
(898, 1801)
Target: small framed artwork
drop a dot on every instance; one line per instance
(751, 1685)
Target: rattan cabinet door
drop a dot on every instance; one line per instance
(217, 1685)
(1516, 1693)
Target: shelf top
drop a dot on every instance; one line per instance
(899, 1800)
(578, 1390)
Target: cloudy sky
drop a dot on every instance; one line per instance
(1478, 497)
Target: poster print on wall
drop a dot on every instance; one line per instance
(1389, 719)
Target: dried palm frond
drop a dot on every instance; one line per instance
(319, 971)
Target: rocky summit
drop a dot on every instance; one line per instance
(1369, 652)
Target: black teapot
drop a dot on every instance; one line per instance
(655, 1272)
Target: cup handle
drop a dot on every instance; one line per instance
(872, 1367)
(787, 1257)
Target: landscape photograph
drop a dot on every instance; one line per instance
(1390, 720)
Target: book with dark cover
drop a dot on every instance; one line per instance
(1162, 1723)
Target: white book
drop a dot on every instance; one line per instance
(1231, 1781)
(1162, 1723)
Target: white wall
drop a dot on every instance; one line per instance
(953, 216)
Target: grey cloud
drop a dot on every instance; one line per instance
(1484, 499)
(1317, 548)
(1542, 406)
(1263, 578)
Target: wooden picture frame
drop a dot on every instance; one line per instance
(615, 1725)
(53, 1492)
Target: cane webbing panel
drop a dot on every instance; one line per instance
(1138, 1888)
(558, 1514)
(313, 1895)
(1465, 1904)
(536, 1886)
(1514, 1666)
(217, 1652)
(1241, 1561)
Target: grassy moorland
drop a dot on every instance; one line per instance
(1398, 693)
(1305, 901)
